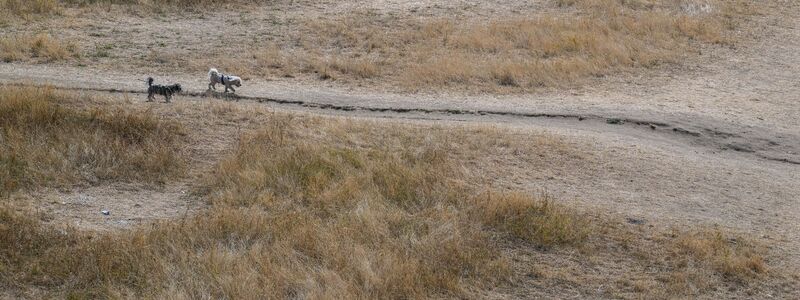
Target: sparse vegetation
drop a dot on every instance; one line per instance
(566, 45)
(102, 51)
(518, 52)
(27, 7)
(309, 207)
(735, 258)
(705, 260)
(540, 221)
(43, 143)
(511, 54)
(41, 48)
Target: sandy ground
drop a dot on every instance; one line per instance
(725, 149)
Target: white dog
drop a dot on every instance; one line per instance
(229, 81)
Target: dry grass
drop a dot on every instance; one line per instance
(289, 218)
(688, 264)
(28, 7)
(318, 208)
(25, 8)
(41, 48)
(165, 3)
(603, 38)
(536, 220)
(732, 257)
(704, 261)
(44, 143)
(562, 46)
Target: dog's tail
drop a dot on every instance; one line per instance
(212, 73)
(150, 81)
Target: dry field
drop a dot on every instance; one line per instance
(44, 143)
(634, 149)
(524, 46)
(315, 207)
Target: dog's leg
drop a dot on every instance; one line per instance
(150, 97)
(226, 88)
(168, 96)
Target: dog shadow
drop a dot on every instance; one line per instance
(221, 95)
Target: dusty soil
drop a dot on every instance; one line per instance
(725, 148)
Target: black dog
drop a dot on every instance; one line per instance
(164, 90)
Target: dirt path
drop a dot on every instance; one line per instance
(742, 99)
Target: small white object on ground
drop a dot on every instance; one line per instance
(105, 212)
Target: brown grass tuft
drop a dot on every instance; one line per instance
(733, 257)
(29, 7)
(360, 68)
(40, 47)
(535, 220)
(46, 143)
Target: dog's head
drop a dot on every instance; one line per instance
(239, 83)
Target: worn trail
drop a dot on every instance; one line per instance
(758, 142)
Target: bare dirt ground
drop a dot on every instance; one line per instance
(725, 149)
